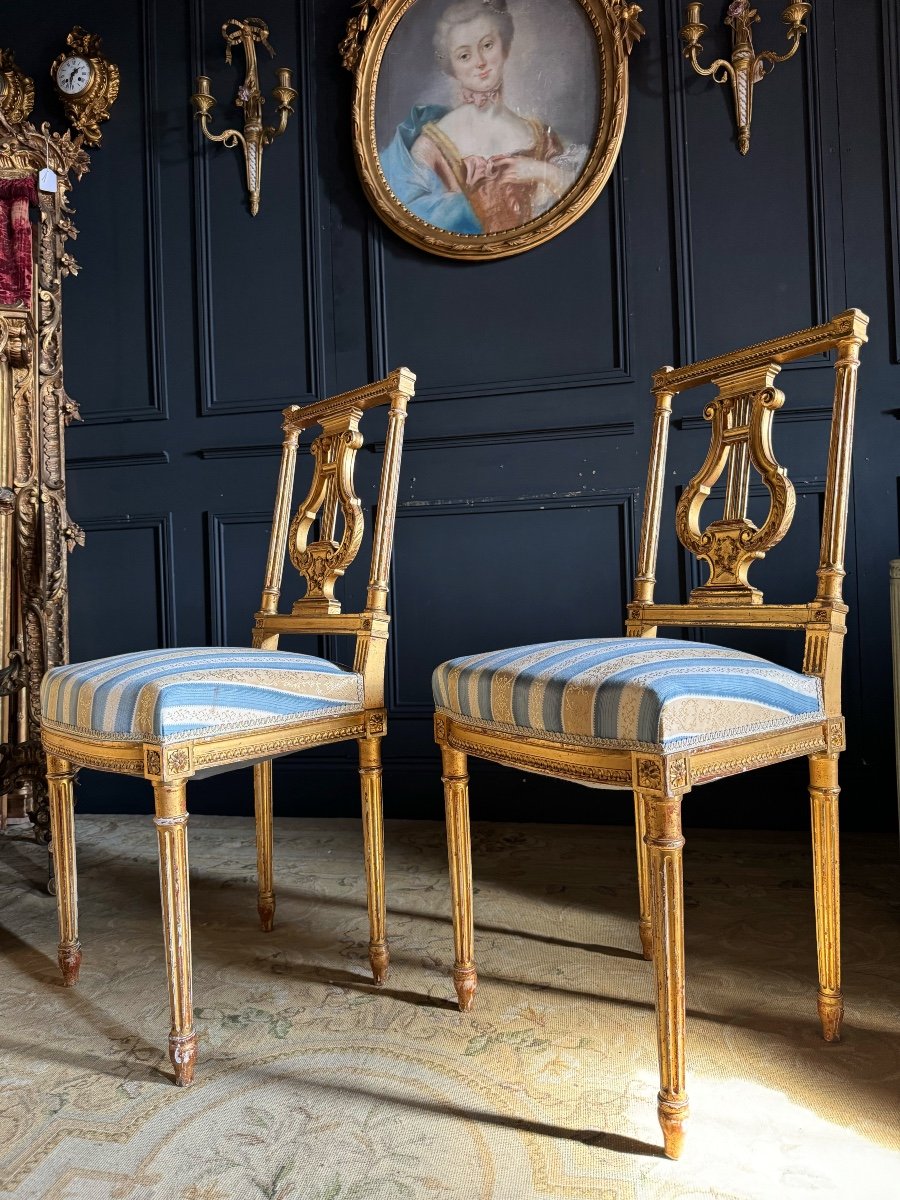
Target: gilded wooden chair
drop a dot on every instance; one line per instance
(665, 716)
(172, 715)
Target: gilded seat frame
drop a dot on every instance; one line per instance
(168, 765)
(741, 419)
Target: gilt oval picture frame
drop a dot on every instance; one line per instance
(483, 128)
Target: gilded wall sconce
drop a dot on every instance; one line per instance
(746, 67)
(256, 136)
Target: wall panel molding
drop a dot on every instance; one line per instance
(161, 526)
(685, 283)
(305, 119)
(891, 40)
(379, 319)
(158, 409)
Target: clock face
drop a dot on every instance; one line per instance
(73, 75)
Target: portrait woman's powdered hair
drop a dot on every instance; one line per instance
(462, 11)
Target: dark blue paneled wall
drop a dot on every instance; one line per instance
(192, 324)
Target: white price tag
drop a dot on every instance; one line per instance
(47, 180)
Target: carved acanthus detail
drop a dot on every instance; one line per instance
(741, 418)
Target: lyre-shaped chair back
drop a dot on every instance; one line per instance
(322, 562)
(741, 417)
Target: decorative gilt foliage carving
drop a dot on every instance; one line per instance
(325, 560)
(741, 437)
(40, 409)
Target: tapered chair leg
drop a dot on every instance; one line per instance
(823, 792)
(373, 848)
(171, 831)
(664, 842)
(60, 778)
(459, 847)
(262, 799)
(643, 868)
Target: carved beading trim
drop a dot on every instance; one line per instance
(816, 339)
(747, 762)
(541, 764)
(204, 758)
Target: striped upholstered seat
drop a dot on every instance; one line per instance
(632, 692)
(170, 695)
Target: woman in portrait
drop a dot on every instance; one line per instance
(479, 167)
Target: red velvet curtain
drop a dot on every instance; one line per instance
(15, 239)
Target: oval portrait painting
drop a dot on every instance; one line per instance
(484, 127)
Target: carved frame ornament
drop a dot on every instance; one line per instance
(37, 531)
(616, 28)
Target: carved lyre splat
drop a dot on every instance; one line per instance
(325, 560)
(741, 418)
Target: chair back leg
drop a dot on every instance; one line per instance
(823, 794)
(60, 778)
(373, 849)
(262, 798)
(171, 831)
(643, 872)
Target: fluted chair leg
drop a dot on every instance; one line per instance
(459, 848)
(373, 848)
(262, 800)
(171, 831)
(665, 841)
(823, 792)
(60, 778)
(643, 869)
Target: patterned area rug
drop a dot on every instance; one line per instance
(315, 1085)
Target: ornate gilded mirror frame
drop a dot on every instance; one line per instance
(35, 528)
(616, 28)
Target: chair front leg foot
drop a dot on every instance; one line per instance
(265, 906)
(465, 980)
(831, 1015)
(672, 1119)
(379, 961)
(68, 956)
(645, 929)
(183, 1053)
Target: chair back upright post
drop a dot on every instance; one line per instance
(741, 417)
(323, 561)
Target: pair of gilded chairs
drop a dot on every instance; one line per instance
(657, 716)
(661, 716)
(173, 715)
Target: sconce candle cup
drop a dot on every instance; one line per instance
(255, 135)
(746, 67)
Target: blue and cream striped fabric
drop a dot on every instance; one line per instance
(163, 695)
(637, 692)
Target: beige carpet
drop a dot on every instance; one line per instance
(314, 1085)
